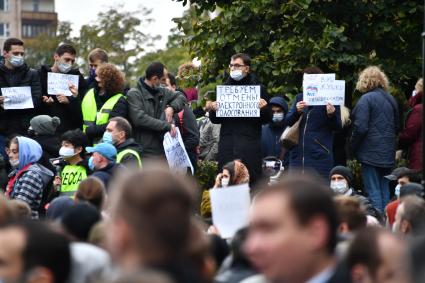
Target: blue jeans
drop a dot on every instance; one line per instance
(376, 186)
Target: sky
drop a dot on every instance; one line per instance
(81, 12)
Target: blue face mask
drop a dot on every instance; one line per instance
(91, 165)
(16, 61)
(278, 117)
(107, 138)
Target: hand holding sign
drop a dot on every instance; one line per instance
(239, 101)
(176, 154)
(17, 97)
(60, 84)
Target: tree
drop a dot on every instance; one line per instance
(118, 32)
(284, 37)
(39, 50)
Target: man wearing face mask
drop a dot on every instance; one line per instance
(240, 138)
(103, 162)
(96, 58)
(151, 110)
(270, 134)
(118, 133)
(341, 179)
(15, 73)
(67, 108)
(75, 167)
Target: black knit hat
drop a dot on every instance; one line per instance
(343, 171)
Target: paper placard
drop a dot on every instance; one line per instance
(230, 209)
(238, 100)
(58, 83)
(17, 97)
(319, 89)
(176, 154)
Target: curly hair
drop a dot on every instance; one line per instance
(370, 78)
(112, 78)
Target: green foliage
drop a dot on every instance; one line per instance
(39, 50)
(206, 173)
(284, 37)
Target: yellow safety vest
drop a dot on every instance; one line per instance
(71, 176)
(89, 109)
(121, 154)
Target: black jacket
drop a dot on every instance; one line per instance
(70, 114)
(240, 138)
(18, 121)
(105, 174)
(50, 146)
(129, 159)
(120, 109)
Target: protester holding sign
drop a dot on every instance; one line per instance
(67, 108)
(15, 73)
(240, 136)
(314, 149)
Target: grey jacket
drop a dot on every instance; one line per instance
(147, 117)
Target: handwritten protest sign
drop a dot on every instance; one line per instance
(176, 154)
(238, 100)
(230, 208)
(59, 83)
(319, 89)
(17, 97)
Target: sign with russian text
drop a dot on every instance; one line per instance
(58, 83)
(176, 153)
(17, 97)
(238, 100)
(319, 89)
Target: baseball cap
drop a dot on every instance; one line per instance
(105, 149)
(399, 172)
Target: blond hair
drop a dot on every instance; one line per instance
(370, 78)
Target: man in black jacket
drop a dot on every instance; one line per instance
(15, 73)
(240, 138)
(67, 108)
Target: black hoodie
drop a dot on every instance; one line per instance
(70, 114)
(18, 121)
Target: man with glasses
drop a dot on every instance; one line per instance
(67, 108)
(240, 138)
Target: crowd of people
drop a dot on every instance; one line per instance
(88, 195)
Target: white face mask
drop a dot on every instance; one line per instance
(14, 163)
(397, 190)
(225, 182)
(339, 187)
(16, 61)
(66, 151)
(237, 75)
(64, 67)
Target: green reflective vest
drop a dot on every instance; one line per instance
(71, 176)
(121, 154)
(89, 109)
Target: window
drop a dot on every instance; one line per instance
(4, 30)
(4, 5)
(35, 5)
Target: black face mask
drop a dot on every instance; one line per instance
(31, 133)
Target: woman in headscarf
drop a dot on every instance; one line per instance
(28, 178)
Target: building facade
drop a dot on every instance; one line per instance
(27, 18)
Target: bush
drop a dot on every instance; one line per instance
(206, 173)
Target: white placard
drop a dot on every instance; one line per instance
(17, 97)
(176, 154)
(238, 100)
(230, 209)
(319, 89)
(58, 83)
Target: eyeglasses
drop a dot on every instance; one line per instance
(236, 65)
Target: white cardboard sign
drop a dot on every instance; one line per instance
(319, 89)
(176, 154)
(58, 83)
(238, 100)
(17, 97)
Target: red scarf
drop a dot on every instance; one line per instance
(12, 180)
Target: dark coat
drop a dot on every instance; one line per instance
(95, 132)
(146, 110)
(18, 121)
(314, 150)
(411, 136)
(240, 138)
(105, 174)
(130, 158)
(270, 139)
(50, 146)
(190, 133)
(375, 127)
(70, 114)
